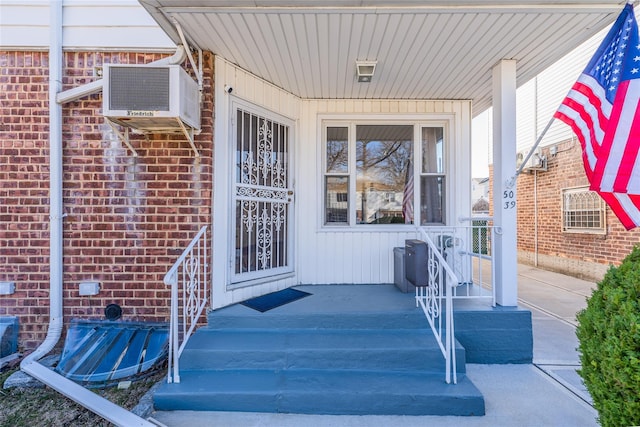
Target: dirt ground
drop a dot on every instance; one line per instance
(44, 407)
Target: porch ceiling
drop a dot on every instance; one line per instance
(429, 49)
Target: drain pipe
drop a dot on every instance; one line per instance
(104, 408)
(55, 187)
(535, 218)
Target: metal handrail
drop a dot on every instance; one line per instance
(482, 236)
(430, 299)
(467, 250)
(475, 218)
(456, 259)
(191, 268)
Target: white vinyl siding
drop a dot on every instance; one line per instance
(553, 85)
(538, 99)
(346, 256)
(364, 254)
(86, 25)
(526, 115)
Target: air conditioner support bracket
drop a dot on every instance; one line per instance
(123, 137)
(190, 136)
(189, 133)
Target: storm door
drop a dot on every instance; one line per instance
(262, 198)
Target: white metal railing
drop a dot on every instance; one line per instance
(483, 268)
(460, 266)
(467, 250)
(437, 299)
(189, 274)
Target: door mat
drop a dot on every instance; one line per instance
(274, 299)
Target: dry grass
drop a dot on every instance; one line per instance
(36, 407)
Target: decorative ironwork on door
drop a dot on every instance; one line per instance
(263, 197)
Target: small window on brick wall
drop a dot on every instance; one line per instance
(583, 211)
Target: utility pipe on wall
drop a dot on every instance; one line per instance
(55, 186)
(535, 178)
(535, 219)
(30, 365)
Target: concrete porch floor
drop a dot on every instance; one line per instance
(545, 393)
(336, 299)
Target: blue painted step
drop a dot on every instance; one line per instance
(345, 349)
(237, 319)
(319, 371)
(363, 349)
(335, 392)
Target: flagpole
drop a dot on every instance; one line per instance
(512, 180)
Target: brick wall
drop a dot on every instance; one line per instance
(127, 218)
(582, 255)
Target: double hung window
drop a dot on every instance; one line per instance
(377, 173)
(432, 176)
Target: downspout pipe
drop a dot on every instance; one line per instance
(101, 406)
(55, 187)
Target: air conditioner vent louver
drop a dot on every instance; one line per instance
(136, 88)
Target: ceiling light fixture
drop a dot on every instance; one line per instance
(365, 70)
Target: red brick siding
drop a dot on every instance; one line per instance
(127, 218)
(565, 170)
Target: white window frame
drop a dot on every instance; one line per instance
(445, 121)
(583, 191)
(421, 174)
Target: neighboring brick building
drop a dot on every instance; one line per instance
(561, 225)
(127, 218)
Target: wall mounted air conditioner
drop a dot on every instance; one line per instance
(537, 161)
(149, 98)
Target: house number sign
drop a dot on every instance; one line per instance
(509, 199)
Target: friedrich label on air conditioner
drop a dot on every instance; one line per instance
(133, 113)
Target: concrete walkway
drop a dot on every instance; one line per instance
(547, 393)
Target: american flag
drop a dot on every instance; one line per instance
(407, 195)
(602, 109)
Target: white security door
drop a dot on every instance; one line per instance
(262, 198)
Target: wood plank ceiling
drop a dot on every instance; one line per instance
(426, 49)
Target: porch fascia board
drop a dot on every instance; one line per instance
(350, 5)
(161, 10)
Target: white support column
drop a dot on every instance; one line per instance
(504, 195)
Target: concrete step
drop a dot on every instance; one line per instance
(240, 317)
(353, 349)
(364, 349)
(494, 334)
(336, 392)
